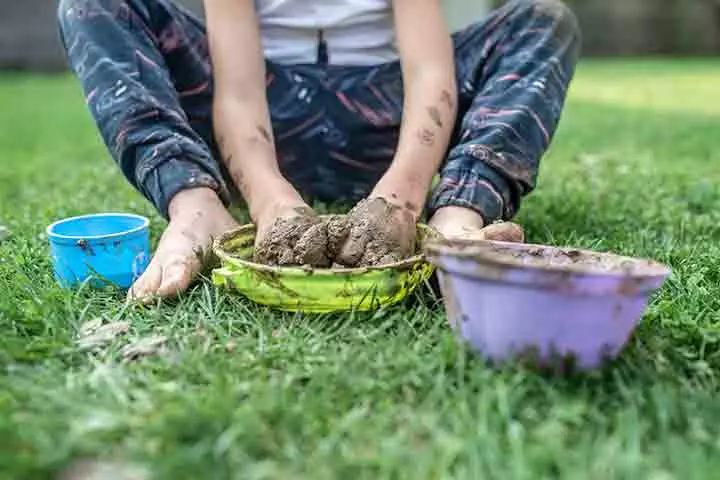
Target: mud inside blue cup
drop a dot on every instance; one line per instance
(107, 249)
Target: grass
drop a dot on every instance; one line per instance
(248, 393)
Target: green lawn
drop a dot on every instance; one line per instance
(247, 393)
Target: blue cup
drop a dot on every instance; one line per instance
(102, 249)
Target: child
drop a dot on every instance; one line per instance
(334, 100)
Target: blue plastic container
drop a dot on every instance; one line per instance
(101, 249)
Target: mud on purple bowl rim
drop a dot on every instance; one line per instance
(579, 261)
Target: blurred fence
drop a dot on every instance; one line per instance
(28, 36)
(632, 27)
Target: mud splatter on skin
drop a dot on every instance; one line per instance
(435, 116)
(237, 174)
(426, 137)
(264, 133)
(220, 142)
(410, 206)
(447, 99)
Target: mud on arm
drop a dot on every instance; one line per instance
(430, 102)
(240, 110)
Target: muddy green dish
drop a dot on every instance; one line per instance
(315, 290)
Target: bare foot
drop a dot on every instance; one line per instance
(197, 216)
(465, 224)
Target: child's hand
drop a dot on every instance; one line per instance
(375, 232)
(465, 224)
(292, 236)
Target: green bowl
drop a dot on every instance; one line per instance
(316, 290)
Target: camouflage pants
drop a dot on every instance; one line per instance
(145, 70)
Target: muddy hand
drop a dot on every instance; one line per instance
(497, 232)
(375, 232)
(293, 237)
(459, 223)
(503, 232)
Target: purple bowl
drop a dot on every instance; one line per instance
(543, 303)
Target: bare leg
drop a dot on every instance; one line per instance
(144, 68)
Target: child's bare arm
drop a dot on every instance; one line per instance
(428, 67)
(240, 110)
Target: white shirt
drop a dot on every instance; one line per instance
(356, 32)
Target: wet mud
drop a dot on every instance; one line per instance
(295, 241)
(566, 258)
(372, 234)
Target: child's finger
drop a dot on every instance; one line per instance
(148, 283)
(504, 232)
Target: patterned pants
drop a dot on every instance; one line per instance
(145, 69)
